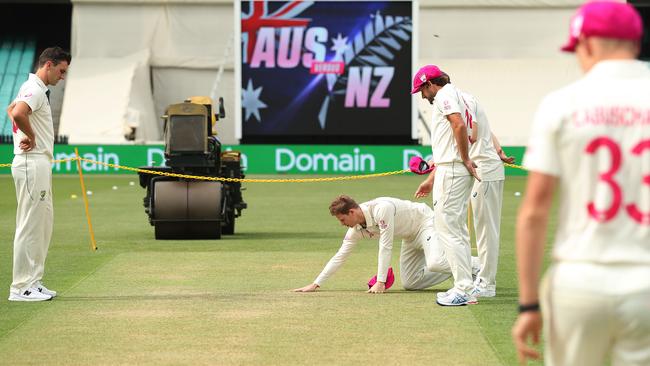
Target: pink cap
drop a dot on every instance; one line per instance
(390, 279)
(607, 19)
(420, 166)
(425, 73)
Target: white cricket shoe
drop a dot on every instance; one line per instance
(42, 289)
(483, 290)
(455, 297)
(442, 294)
(31, 294)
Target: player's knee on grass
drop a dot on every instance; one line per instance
(440, 266)
(412, 282)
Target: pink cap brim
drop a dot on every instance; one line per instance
(570, 46)
(416, 90)
(415, 166)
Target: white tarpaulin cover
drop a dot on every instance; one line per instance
(176, 35)
(106, 97)
(186, 43)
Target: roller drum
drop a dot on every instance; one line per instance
(187, 210)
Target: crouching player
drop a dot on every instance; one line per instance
(422, 259)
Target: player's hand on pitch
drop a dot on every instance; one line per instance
(27, 143)
(308, 288)
(528, 325)
(377, 288)
(424, 189)
(471, 168)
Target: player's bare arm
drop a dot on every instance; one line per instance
(502, 155)
(426, 186)
(460, 135)
(530, 237)
(20, 116)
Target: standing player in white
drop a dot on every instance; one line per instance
(486, 196)
(33, 133)
(422, 259)
(453, 178)
(591, 139)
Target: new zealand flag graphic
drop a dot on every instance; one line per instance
(333, 72)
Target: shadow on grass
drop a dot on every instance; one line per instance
(505, 295)
(278, 235)
(238, 296)
(188, 297)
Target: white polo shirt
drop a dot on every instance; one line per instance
(33, 92)
(482, 151)
(386, 218)
(594, 135)
(443, 143)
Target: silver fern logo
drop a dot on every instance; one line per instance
(367, 60)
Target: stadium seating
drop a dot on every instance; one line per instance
(16, 61)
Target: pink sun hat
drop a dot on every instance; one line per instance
(607, 19)
(420, 166)
(390, 279)
(423, 75)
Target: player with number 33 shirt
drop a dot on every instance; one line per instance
(591, 139)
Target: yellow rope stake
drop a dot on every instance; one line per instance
(93, 245)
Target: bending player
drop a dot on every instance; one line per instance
(422, 260)
(487, 194)
(454, 177)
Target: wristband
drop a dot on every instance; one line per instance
(529, 307)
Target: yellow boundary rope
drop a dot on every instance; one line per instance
(93, 244)
(244, 180)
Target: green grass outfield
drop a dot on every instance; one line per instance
(146, 302)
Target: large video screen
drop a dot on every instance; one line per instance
(326, 71)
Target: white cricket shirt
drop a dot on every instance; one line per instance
(386, 218)
(443, 142)
(33, 92)
(482, 151)
(594, 135)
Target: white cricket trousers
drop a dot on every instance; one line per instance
(422, 260)
(593, 313)
(32, 175)
(451, 191)
(487, 198)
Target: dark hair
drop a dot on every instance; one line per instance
(441, 80)
(342, 205)
(54, 54)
